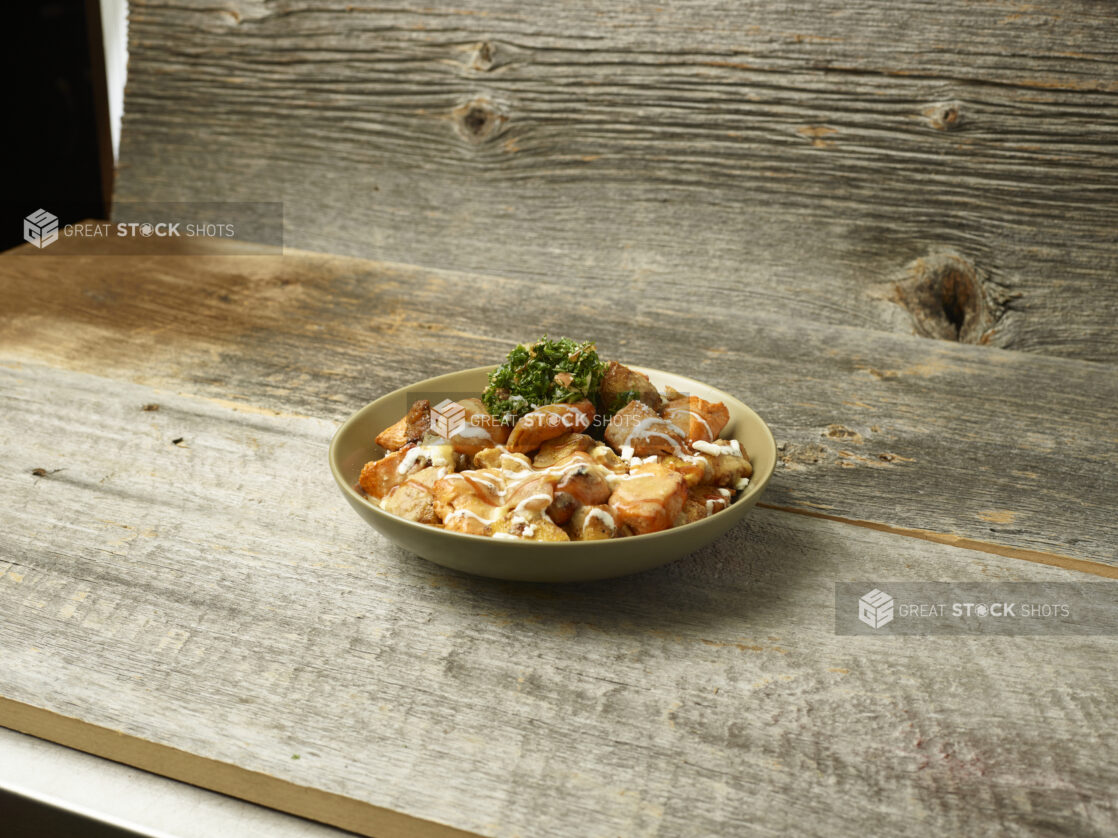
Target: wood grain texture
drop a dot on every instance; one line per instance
(962, 441)
(218, 597)
(807, 159)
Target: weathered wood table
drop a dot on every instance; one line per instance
(888, 227)
(185, 590)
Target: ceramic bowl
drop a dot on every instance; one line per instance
(353, 446)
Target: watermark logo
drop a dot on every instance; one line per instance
(447, 418)
(875, 609)
(40, 228)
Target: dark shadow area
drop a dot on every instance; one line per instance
(56, 134)
(21, 817)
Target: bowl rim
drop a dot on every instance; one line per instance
(748, 497)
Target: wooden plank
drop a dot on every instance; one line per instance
(217, 597)
(1008, 450)
(864, 163)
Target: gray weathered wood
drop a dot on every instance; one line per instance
(218, 596)
(1011, 449)
(812, 159)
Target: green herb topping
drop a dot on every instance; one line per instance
(544, 372)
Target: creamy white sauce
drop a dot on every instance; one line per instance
(469, 431)
(467, 513)
(742, 483)
(520, 507)
(714, 449)
(600, 515)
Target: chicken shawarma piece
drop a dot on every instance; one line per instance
(378, 478)
(650, 499)
(696, 418)
(478, 430)
(621, 382)
(548, 422)
(410, 428)
(640, 428)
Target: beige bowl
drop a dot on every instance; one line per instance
(353, 446)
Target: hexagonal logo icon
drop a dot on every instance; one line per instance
(40, 228)
(447, 418)
(875, 609)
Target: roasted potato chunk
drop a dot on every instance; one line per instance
(696, 418)
(727, 469)
(704, 501)
(556, 450)
(694, 469)
(592, 523)
(411, 428)
(650, 499)
(619, 379)
(605, 456)
(586, 483)
(412, 501)
(529, 528)
(480, 430)
(549, 422)
(641, 428)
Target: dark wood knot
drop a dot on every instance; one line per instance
(485, 56)
(948, 299)
(479, 120)
(945, 116)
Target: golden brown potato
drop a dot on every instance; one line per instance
(694, 469)
(619, 379)
(592, 523)
(641, 428)
(727, 469)
(459, 507)
(650, 499)
(412, 501)
(379, 477)
(563, 506)
(549, 422)
(534, 494)
(529, 528)
(410, 428)
(480, 431)
(696, 418)
(604, 456)
(704, 501)
(560, 448)
(487, 483)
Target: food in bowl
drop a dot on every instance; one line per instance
(561, 446)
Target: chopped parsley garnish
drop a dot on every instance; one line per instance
(544, 372)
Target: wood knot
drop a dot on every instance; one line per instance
(945, 116)
(485, 56)
(479, 120)
(948, 299)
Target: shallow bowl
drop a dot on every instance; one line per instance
(353, 446)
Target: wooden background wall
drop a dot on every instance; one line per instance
(940, 166)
